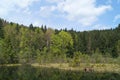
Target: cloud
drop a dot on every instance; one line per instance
(13, 5)
(45, 11)
(86, 12)
(54, 1)
(117, 17)
(53, 12)
(101, 27)
(19, 11)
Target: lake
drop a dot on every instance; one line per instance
(28, 72)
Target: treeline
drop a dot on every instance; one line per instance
(22, 44)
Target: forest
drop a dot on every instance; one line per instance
(41, 44)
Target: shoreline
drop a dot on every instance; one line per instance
(96, 67)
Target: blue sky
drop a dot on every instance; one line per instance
(77, 14)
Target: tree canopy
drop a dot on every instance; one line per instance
(19, 43)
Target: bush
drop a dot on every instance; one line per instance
(76, 59)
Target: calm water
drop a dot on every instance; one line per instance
(30, 73)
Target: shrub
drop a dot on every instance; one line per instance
(76, 59)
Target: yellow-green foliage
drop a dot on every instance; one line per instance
(76, 59)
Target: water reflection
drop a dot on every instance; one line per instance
(28, 72)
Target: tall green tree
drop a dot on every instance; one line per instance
(59, 45)
(1, 29)
(31, 26)
(11, 43)
(48, 35)
(118, 48)
(56, 43)
(2, 54)
(66, 39)
(27, 51)
(39, 39)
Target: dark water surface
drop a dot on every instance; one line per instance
(30, 73)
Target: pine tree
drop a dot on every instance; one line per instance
(1, 29)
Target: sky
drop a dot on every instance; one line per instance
(80, 15)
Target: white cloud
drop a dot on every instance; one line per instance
(26, 11)
(23, 3)
(54, 1)
(101, 27)
(9, 5)
(45, 11)
(117, 17)
(83, 11)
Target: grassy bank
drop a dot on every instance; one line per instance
(95, 67)
(98, 67)
(28, 72)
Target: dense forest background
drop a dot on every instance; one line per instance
(27, 44)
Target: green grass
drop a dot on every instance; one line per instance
(97, 67)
